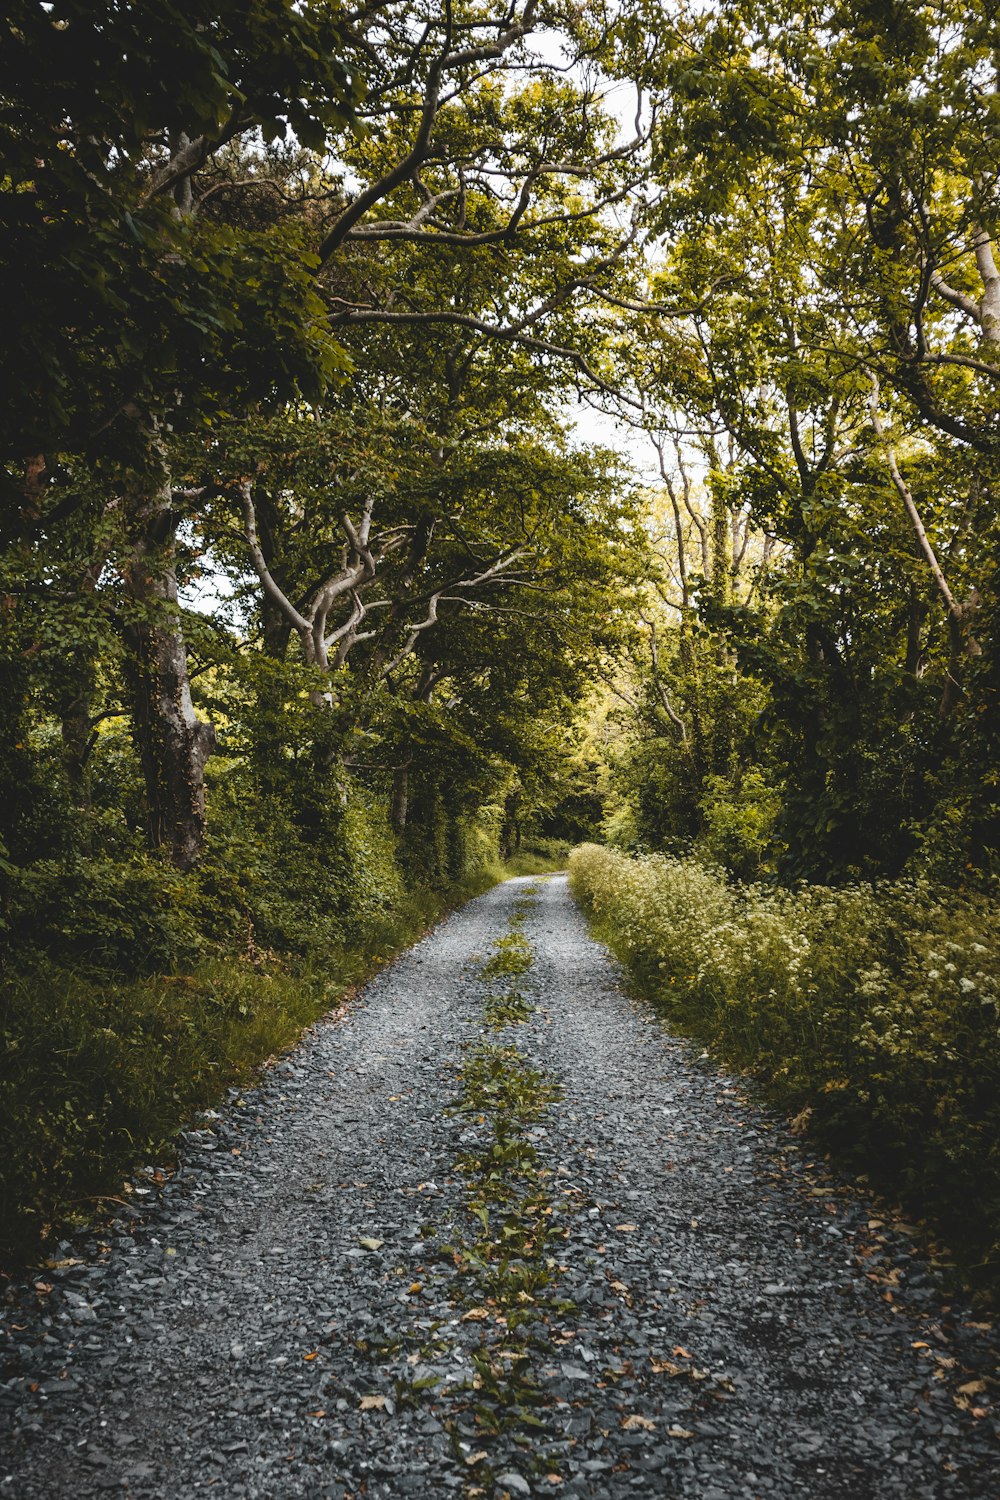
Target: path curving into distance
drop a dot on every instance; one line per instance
(493, 1231)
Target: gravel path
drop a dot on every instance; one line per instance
(319, 1305)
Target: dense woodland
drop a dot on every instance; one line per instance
(317, 605)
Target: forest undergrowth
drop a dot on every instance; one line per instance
(869, 1014)
(134, 995)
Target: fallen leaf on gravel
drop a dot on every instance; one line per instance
(972, 1387)
(371, 1244)
(919, 1344)
(635, 1423)
(320, 1413)
(476, 1458)
(626, 1228)
(372, 1403)
(682, 1353)
(416, 1286)
(619, 1286)
(43, 1286)
(312, 1355)
(679, 1432)
(668, 1367)
(475, 1315)
(554, 1478)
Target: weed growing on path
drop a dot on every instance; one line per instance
(506, 1251)
(511, 957)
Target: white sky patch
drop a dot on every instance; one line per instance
(594, 428)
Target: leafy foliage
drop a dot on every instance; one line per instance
(875, 1009)
(309, 596)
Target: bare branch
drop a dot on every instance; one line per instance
(276, 595)
(958, 299)
(955, 609)
(447, 61)
(661, 691)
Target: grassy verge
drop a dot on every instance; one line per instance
(872, 1014)
(99, 1071)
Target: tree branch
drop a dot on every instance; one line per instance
(955, 609)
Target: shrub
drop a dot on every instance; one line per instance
(132, 915)
(134, 994)
(739, 821)
(875, 1007)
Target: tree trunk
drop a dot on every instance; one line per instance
(173, 743)
(400, 797)
(915, 617)
(74, 713)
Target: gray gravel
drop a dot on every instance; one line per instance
(286, 1317)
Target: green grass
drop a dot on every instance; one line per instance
(99, 1072)
(868, 1014)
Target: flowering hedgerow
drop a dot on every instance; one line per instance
(875, 1008)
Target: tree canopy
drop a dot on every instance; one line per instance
(301, 303)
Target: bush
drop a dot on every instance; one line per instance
(134, 994)
(738, 822)
(874, 1007)
(126, 915)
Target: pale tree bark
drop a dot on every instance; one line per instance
(324, 645)
(984, 310)
(658, 683)
(327, 645)
(961, 640)
(173, 743)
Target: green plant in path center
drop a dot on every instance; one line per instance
(506, 1247)
(511, 957)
